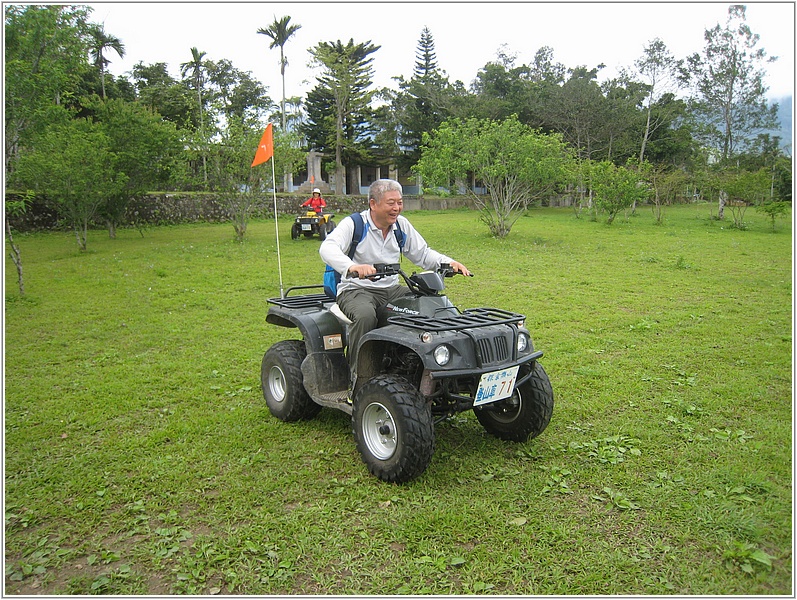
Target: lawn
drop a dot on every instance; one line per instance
(140, 457)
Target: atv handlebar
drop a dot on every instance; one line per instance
(420, 283)
(388, 269)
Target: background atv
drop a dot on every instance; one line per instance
(425, 362)
(312, 223)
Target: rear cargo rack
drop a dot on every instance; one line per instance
(467, 319)
(305, 301)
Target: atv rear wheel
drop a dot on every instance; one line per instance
(281, 379)
(525, 413)
(393, 428)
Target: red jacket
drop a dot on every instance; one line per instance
(317, 204)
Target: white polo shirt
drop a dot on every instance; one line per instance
(374, 248)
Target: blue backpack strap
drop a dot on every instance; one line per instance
(359, 233)
(331, 276)
(401, 237)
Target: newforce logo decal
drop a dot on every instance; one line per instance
(407, 311)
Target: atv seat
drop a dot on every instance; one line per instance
(335, 310)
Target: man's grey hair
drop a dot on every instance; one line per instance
(381, 186)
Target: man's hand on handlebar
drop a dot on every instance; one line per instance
(360, 271)
(374, 272)
(460, 268)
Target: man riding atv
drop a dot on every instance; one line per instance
(423, 360)
(358, 297)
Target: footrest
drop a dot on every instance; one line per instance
(338, 400)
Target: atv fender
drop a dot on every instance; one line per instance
(320, 329)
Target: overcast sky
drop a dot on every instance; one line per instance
(466, 34)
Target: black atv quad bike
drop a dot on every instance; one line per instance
(312, 223)
(425, 362)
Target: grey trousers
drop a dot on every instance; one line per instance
(362, 306)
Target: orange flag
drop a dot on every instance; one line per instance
(265, 149)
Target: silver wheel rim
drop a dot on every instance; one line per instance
(276, 384)
(379, 431)
(510, 408)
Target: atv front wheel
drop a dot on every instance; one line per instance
(393, 429)
(322, 231)
(525, 413)
(281, 379)
(296, 231)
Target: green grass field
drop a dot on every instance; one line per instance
(140, 457)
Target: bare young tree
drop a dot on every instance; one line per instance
(659, 70)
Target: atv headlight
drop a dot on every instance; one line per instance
(522, 342)
(442, 355)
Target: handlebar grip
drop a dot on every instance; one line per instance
(386, 268)
(382, 270)
(446, 270)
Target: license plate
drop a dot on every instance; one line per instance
(496, 385)
(306, 227)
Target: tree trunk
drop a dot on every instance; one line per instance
(81, 234)
(202, 135)
(645, 136)
(339, 171)
(240, 231)
(722, 200)
(17, 258)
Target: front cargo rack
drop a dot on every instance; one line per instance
(467, 319)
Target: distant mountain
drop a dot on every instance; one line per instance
(785, 118)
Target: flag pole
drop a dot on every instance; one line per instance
(276, 225)
(264, 153)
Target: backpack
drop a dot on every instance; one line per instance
(331, 276)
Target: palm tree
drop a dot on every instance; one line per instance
(99, 43)
(195, 68)
(280, 32)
